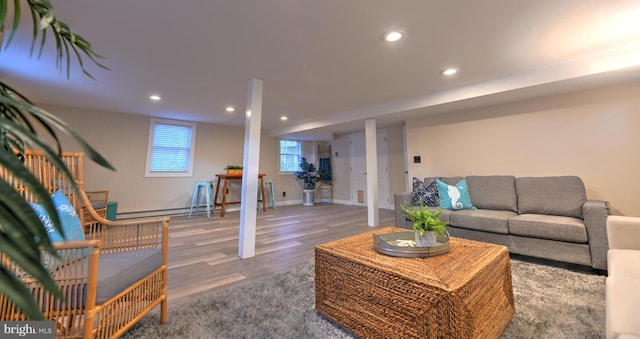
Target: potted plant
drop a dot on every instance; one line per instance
(24, 235)
(426, 225)
(310, 177)
(233, 169)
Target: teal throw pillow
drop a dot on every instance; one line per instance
(47, 222)
(454, 197)
(71, 226)
(69, 220)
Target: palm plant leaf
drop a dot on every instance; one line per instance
(22, 235)
(18, 224)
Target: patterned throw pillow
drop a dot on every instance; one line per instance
(425, 194)
(69, 220)
(454, 197)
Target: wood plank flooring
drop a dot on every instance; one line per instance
(203, 253)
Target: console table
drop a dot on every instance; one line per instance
(226, 178)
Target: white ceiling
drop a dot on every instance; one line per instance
(323, 63)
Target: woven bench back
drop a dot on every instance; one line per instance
(51, 178)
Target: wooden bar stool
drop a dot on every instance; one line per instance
(195, 198)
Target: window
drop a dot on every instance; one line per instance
(170, 149)
(290, 152)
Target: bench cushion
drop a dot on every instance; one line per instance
(117, 271)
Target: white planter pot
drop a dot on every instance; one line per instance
(427, 239)
(307, 197)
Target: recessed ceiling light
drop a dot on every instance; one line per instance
(283, 118)
(155, 97)
(450, 71)
(393, 36)
(230, 109)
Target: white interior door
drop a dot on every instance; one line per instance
(358, 179)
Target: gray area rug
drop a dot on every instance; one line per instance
(551, 302)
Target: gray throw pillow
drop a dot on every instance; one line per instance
(425, 193)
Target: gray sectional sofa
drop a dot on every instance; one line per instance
(545, 217)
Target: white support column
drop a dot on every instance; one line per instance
(372, 171)
(250, 168)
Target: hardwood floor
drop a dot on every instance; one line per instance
(203, 253)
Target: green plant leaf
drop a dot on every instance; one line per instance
(22, 236)
(3, 13)
(19, 293)
(16, 18)
(49, 120)
(425, 220)
(14, 200)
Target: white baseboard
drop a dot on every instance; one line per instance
(185, 210)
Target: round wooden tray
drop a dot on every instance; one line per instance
(398, 244)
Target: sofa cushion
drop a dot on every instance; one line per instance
(448, 180)
(562, 196)
(454, 197)
(445, 215)
(425, 193)
(550, 227)
(494, 192)
(482, 220)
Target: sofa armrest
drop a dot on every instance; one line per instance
(595, 213)
(402, 199)
(623, 232)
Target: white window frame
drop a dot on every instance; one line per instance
(300, 155)
(152, 124)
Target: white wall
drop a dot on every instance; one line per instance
(592, 134)
(122, 140)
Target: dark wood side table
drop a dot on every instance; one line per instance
(226, 178)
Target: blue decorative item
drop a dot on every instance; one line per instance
(324, 170)
(47, 222)
(71, 226)
(69, 221)
(454, 197)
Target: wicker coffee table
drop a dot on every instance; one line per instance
(466, 293)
